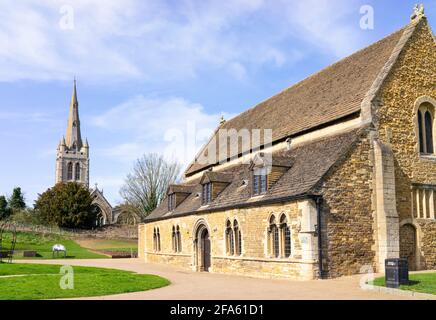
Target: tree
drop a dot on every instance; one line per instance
(16, 202)
(5, 211)
(146, 186)
(67, 205)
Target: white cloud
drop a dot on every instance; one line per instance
(153, 40)
(323, 23)
(174, 127)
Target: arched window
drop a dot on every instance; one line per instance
(273, 235)
(154, 239)
(77, 172)
(229, 239)
(69, 171)
(238, 243)
(426, 118)
(429, 131)
(158, 240)
(285, 235)
(174, 240)
(421, 133)
(178, 240)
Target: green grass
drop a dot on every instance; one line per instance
(419, 282)
(43, 244)
(43, 282)
(106, 245)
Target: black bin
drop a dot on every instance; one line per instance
(396, 272)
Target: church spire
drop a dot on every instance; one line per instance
(73, 136)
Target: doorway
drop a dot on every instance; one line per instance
(202, 244)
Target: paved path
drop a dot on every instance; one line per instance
(193, 285)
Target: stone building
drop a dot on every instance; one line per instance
(346, 180)
(72, 161)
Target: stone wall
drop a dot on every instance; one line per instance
(411, 80)
(254, 260)
(347, 214)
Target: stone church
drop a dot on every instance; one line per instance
(347, 179)
(72, 162)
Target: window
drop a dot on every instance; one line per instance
(259, 181)
(279, 238)
(238, 244)
(426, 113)
(230, 243)
(428, 131)
(207, 193)
(69, 171)
(285, 234)
(176, 239)
(77, 172)
(179, 239)
(171, 202)
(233, 238)
(156, 239)
(424, 201)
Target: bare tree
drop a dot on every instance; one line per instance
(146, 186)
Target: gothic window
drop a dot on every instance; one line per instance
(426, 126)
(420, 129)
(429, 131)
(156, 239)
(230, 246)
(207, 193)
(273, 238)
(69, 171)
(285, 235)
(238, 243)
(174, 240)
(279, 238)
(178, 239)
(77, 172)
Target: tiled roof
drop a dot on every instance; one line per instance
(309, 164)
(181, 188)
(329, 95)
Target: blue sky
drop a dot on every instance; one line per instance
(156, 76)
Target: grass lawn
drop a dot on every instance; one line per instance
(43, 244)
(106, 245)
(419, 282)
(43, 282)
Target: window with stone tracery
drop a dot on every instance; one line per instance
(69, 171)
(279, 238)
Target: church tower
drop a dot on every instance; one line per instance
(72, 157)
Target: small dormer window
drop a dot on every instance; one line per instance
(207, 193)
(259, 181)
(171, 202)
